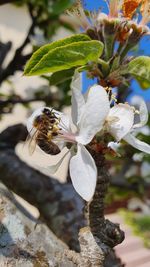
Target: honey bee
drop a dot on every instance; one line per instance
(46, 126)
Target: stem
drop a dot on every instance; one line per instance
(105, 66)
(101, 235)
(109, 35)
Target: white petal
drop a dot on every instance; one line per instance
(94, 115)
(83, 173)
(54, 168)
(64, 122)
(120, 120)
(114, 146)
(101, 16)
(77, 99)
(133, 141)
(143, 115)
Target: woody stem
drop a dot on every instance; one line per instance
(106, 234)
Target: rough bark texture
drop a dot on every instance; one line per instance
(107, 234)
(59, 205)
(60, 208)
(22, 243)
(100, 236)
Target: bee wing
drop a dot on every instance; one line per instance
(31, 141)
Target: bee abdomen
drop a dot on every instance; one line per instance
(48, 147)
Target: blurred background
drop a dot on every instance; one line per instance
(24, 27)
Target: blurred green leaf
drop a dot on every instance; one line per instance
(59, 6)
(140, 224)
(44, 50)
(139, 68)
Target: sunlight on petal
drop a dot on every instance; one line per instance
(133, 141)
(83, 173)
(54, 168)
(95, 113)
(77, 99)
(119, 128)
(143, 115)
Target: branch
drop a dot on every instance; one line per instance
(18, 60)
(23, 244)
(3, 2)
(59, 205)
(18, 100)
(4, 49)
(100, 236)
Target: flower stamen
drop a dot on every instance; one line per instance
(129, 7)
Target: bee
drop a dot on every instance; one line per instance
(46, 126)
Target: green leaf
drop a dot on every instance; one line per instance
(59, 6)
(61, 76)
(67, 57)
(42, 51)
(139, 68)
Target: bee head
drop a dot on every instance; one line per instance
(37, 121)
(50, 113)
(47, 112)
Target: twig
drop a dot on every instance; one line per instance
(18, 60)
(3, 2)
(101, 236)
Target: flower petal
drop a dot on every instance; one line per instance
(133, 141)
(114, 146)
(120, 120)
(143, 115)
(54, 168)
(94, 115)
(77, 99)
(65, 123)
(83, 173)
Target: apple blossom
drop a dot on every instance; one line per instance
(120, 124)
(88, 117)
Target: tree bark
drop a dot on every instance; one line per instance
(101, 235)
(22, 243)
(59, 205)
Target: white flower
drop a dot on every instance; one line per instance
(120, 124)
(88, 117)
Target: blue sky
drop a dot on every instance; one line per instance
(144, 48)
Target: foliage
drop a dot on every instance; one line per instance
(140, 69)
(139, 223)
(64, 54)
